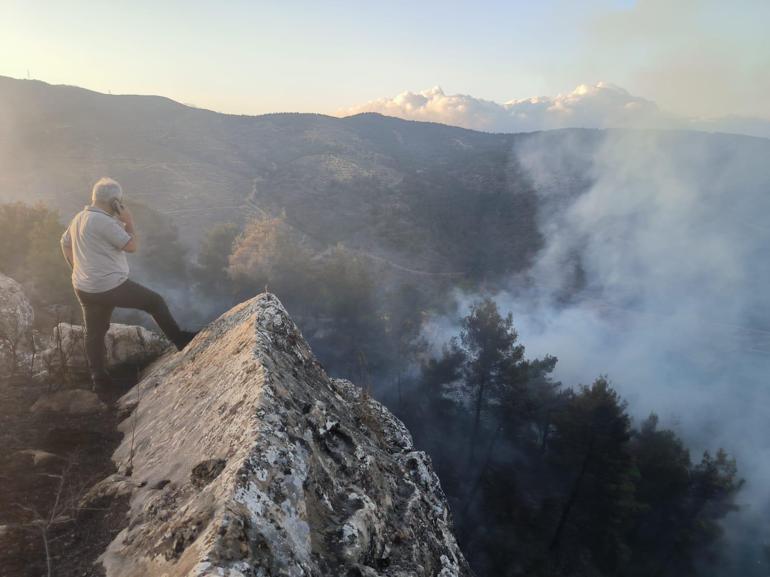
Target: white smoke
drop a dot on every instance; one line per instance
(671, 239)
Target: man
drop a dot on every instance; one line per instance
(95, 245)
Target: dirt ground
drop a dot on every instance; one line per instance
(80, 447)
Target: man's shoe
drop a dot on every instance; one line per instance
(101, 380)
(184, 339)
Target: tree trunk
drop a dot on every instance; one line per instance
(672, 544)
(398, 386)
(482, 472)
(544, 435)
(555, 542)
(476, 423)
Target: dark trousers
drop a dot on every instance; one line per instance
(97, 311)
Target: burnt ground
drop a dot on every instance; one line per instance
(82, 445)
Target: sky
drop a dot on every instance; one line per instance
(691, 58)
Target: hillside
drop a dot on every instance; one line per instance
(417, 196)
(414, 193)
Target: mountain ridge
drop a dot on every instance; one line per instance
(427, 196)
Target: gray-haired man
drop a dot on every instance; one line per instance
(95, 245)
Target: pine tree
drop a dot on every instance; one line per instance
(214, 258)
(489, 343)
(591, 453)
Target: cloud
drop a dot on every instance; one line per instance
(435, 106)
(601, 105)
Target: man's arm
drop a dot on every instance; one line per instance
(66, 247)
(67, 251)
(127, 218)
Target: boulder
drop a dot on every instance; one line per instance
(70, 402)
(250, 460)
(38, 456)
(106, 490)
(16, 319)
(124, 344)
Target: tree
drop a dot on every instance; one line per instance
(404, 312)
(36, 261)
(16, 223)
(714, 484)
(162, 257)
(434, 416)
(664, 477)
(346, 299)
(489, 343)
(214, 257)
(562, 485)
(681, 504)
(590, 452)
(45, 266)
(529, 400)
(270, 254)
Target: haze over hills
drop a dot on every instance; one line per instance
(353, 180)
(426, 201)
(423, 196)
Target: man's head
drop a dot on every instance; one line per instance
(104, 192)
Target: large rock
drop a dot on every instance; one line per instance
(250, 461)
(69, 402)
(16, 319)
(124, 344)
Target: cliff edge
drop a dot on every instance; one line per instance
(243, 458)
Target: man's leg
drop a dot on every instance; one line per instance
(135, 296)
(96, 318)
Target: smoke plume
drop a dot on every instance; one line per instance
(656, 275)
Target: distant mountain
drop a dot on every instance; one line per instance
(418, 196)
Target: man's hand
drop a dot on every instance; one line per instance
(67, 251)
(125, 217)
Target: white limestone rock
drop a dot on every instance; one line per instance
(69, 402)
(16, 319)
(39, 457)
(124, 344)
(248, 460)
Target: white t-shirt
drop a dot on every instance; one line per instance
(97, 240)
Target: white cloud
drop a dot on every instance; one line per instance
(602, 105)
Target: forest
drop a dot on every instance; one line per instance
(544, 478)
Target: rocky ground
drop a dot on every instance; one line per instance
(236, 457)
(56, 442)
(57, 439)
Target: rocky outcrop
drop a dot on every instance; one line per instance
(23, 350)
(69, 402)
(246, 459)
(16, 319)
(124, 345)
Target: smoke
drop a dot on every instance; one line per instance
(656, 274)
(696, 57)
